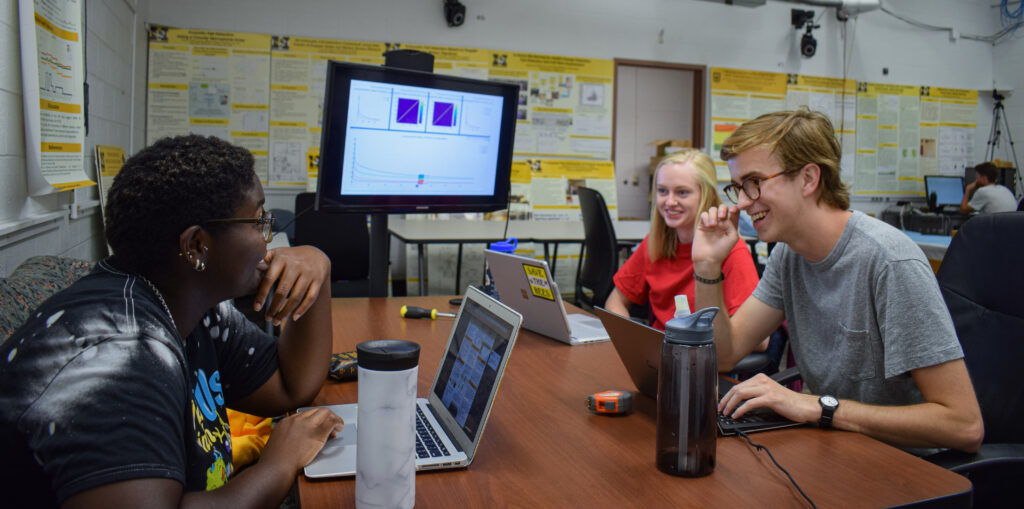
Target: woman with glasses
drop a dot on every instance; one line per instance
(661, 267)
(115, 392)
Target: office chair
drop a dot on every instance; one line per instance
(594, 280)
(284, 223)
(982, 281)
(344, 238)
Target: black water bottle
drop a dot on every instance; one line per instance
(688, 396)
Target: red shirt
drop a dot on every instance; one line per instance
(659, 283)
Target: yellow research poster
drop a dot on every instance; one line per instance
(835, 98)
(553, 185)
(948, 123)
(212, 83)
(520, 206)
(737, 96)
(297, 81)
(888, 118)
(52, 76)
(109, 160)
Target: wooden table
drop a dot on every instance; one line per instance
(542, 448)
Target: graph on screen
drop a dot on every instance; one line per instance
(415, 140)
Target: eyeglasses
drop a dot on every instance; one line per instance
(751, 187)
(265, 221)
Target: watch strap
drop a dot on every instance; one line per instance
(827, 412)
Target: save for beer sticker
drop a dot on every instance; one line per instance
(538, 279)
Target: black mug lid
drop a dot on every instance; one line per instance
(388, 354)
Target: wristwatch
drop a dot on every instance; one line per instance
(829, 404)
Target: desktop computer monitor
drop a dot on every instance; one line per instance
(399, 141)
(946, 190)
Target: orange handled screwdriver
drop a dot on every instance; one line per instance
(418, 312)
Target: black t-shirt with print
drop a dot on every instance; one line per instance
(98, 388)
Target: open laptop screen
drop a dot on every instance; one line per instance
(470, 367)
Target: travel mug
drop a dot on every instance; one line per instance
(386, 424)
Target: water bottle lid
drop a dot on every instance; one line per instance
(388, 354)
(695, 329)
(505, 246)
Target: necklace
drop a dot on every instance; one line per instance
(153, 287)
(162, 301)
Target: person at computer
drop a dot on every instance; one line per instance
(868, 326)
(115, 391)
(989, 197)
(661, 268)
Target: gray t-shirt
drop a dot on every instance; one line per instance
(993, 198)
(861, 319)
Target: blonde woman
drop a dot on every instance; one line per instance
(661, 267)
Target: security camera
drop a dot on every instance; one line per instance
(800, 19)
(808, 44)
(454, 12)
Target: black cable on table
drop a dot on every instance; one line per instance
(760, 447)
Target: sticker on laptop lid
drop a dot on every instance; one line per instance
(538, 279)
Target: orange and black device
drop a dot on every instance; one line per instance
(610, 402)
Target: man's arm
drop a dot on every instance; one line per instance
(949, 417)
(754, 320)
(964, 207)
(302, 300)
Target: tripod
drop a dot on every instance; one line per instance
(993, 140)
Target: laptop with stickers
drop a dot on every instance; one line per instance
(450, 421)
(526, 285)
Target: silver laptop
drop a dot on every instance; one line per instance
(451, 420)
(525, 284)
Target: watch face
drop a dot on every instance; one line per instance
(829, 401)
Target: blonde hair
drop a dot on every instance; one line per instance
(797, 138)
(663, 238)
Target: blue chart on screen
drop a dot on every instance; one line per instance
(408, 111)
(444, 114)
(419, 141)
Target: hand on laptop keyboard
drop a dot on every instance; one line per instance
(763, 392)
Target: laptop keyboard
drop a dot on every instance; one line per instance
(428, 444)
(757, 420)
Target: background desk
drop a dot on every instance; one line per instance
(542, 448)
(934, 246)
(468, 231)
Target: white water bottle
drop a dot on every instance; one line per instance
(386, 422)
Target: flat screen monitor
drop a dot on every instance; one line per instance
(948, 190)
(397, 141)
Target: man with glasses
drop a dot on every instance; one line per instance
(868, 326)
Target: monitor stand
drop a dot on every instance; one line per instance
(379, 255)
(379, 249)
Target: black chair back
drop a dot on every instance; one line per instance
(344, 238)
(982, 281)
(284, 222)
(601, 256)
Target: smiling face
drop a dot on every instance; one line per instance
(678, 198)
(777, 210)
(237, 251)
